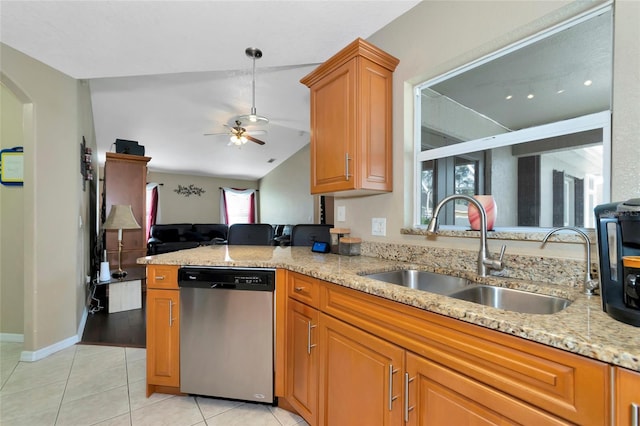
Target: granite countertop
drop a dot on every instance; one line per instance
(581, 328)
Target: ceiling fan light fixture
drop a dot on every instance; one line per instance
(238, 140)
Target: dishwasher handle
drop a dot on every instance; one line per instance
(194, 281)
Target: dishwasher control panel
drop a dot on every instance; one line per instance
(254, 279)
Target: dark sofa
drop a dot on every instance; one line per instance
(180, 236)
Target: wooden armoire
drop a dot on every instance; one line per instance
(125, 182)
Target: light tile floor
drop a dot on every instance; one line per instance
(105, 385)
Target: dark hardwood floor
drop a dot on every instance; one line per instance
(126, 328)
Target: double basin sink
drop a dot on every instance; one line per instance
(460, 288)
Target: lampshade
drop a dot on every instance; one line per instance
(121, 217)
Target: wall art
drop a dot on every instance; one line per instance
(189, 190)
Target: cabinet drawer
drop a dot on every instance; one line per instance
(303, 288)
(162, 276)
(570, 386)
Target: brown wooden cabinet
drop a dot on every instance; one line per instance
(380, 362)
(437, 395)
(302, 365)
(163, 330)
(570, 387)
(351, 121)
(627, 405)
(360, 377)
(301, 389)
(125, 182)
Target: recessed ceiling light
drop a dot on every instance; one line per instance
(559, 91)
(508, 97)
(588, 82)
(530, 96)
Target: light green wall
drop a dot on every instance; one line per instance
(176, 208)
(56, 253)
(286, 200)
(11, 224)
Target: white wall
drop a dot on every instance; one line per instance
(286, 192)
(625, 175)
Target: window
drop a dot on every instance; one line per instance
(237, 205)
(530, 125)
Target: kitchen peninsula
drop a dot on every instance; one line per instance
(441, 333)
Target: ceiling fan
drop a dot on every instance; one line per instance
(239, 135)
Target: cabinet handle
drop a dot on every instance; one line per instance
(309, 345)
(298, 289)
(407, 380)
(159, 278)
(170, 313)
(635, 414)
(346, 165)
(391, 397)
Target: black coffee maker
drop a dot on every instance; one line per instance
(618, 232)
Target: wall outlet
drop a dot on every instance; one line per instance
(379, 226)
(341, 214)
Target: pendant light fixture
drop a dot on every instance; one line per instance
(254, 53)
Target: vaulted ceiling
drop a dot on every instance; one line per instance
(163, 73)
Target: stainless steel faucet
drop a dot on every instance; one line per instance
(485, 261)
(589, 284)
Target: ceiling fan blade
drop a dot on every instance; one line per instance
(216, 134)
(252, 139)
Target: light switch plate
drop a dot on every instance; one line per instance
(342, 214)
(379, 226)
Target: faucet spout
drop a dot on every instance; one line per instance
(485, 261)
(590, 285)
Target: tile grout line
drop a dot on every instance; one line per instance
(66, 383)
(126, 370)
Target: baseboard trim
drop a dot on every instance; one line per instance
(31, 356)
(12, 337)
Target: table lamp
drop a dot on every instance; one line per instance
(120, 217)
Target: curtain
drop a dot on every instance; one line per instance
(237, 205)
(152, 209)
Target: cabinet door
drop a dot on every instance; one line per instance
(163, 337)
(360, 377)
(627, 397)
(373, 164)
(436, 395)
(333, 121)
(302, 362)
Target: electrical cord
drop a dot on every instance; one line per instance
(94, 307)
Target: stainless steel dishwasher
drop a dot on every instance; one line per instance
(227, 332)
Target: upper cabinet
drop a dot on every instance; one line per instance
(351, 115)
